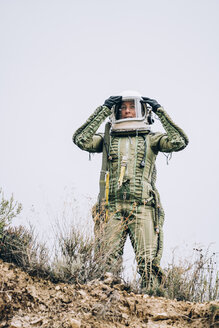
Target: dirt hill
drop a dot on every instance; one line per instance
(32, 302)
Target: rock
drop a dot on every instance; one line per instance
(161, 316)
(115, 296)
(125, 316)
(37, 321)
(105, 287)
(74, 323)
(82, 293)
(15, 324)
(66, 299)
(3, 324)
(32, 291)
(108, 279)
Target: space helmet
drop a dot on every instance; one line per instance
(139, 121)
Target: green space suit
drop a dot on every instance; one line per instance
(129, 203)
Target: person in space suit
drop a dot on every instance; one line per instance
(128, 201)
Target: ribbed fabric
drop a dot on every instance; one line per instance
(137, 191)
(84, 136)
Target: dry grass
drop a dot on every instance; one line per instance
(194, 280)
(20, 245)
(77, 259)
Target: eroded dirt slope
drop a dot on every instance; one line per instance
(31, 302)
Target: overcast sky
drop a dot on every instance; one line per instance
(59, 60)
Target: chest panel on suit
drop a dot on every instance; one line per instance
(134, 149)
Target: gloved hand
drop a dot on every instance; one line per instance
(152, 102)
(111, 101)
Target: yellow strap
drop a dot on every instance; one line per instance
(122, 173)
(107, 196)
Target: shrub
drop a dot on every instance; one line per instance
(194, 280)
(20, 246)
(8, 210)
(78, 260)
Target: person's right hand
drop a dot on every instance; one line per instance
(111, 101)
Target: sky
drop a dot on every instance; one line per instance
(59, 60)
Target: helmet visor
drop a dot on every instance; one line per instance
(129, 108)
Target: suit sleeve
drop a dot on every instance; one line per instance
(174, 139)
(85, 137)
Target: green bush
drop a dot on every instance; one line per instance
(20, 246)
(8, 210)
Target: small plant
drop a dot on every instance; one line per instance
(8, 210)
(78, 258)
(20, 246)
(74, 257)
(195, 280)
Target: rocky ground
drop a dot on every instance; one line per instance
(31, 302)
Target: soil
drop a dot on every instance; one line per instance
(27, 301)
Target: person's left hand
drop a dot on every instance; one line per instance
(152, 102)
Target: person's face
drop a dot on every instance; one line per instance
(128, 109)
